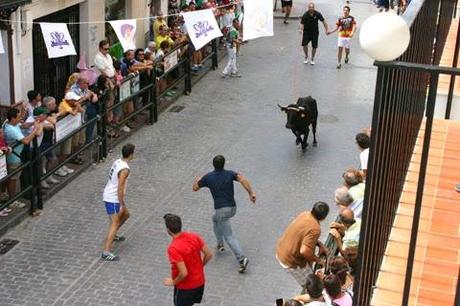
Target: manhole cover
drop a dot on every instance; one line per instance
(6, 245)
(176, 109)
(328, 118)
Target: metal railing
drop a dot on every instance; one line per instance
(99, 145)
(401, 103)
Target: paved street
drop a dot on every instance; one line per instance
(57, 260)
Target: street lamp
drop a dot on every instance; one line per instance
(384, 36)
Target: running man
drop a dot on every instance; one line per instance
(287, 7)
(188, 254)
(114, 199)
(309, 29)
(346, 25)
(220, 182)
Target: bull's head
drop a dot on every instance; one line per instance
(292, 111)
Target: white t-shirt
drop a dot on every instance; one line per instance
(105, 64)
(316, 303)
(363, 157)
(111, 188)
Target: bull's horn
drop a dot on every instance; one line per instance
(301, 108)
(280, 106)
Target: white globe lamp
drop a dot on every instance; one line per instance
(384, 36)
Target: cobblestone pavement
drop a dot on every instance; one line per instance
(57, 260)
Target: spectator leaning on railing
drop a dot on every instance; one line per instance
(13, 134)
(295, 250)
(81, 88)
(353, 180)
(48, 138)
(69, 105)
(346, 231)
(344, 199)
(363, 141)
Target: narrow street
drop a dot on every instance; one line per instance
(57, 260)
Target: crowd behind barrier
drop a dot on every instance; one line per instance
(327, 278)
(44, 142)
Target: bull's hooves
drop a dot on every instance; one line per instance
(297, 142)
(315, 144)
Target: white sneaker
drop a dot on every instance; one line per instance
(68, 170)
(126, 129)
(52, 180)
(18, 204)
(312, 62)
(306, 61)
(45, 185)
(61, 172)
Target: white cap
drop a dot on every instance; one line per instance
(70, 95)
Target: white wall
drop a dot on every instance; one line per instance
(5, 76)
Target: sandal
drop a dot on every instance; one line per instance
(3, 213)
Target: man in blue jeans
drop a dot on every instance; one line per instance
(220, 182)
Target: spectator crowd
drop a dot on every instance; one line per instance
(326, 271)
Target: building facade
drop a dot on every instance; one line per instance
(26, 57)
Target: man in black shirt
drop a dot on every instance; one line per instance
(287, 6)
(309, 28)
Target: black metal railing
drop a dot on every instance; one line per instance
(100, 144)
(401, 104)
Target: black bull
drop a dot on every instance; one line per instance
(299, 117)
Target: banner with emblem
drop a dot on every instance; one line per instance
(202, 27)
(57, 39)
(258, 19)
(126, 33)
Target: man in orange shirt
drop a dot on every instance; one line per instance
(295, 250)
(346, 25)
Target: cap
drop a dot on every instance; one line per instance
(41, 111)
(70, 95)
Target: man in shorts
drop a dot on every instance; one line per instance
(287, 7)
(114, 199)
(346, 25)
(188, 254)
(309, 29)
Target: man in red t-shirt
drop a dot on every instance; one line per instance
(188, 254)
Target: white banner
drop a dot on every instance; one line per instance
(67, 125)
(57, 39)
(3, 170)
(258, 19)
(2, 50)
(201, 27)
(126, 33)
(170, 60)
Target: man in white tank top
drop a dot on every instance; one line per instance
(114, 199)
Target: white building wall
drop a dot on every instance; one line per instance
(90, 34)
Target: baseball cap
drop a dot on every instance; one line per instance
(41, 111)
(70, 95)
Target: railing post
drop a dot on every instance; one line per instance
(37, 172)
(152, 98)
(32, 176)
(450, 95)
(431, 101)
(188, 70)
(214, 54)
(102, 125)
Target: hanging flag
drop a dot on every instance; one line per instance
(126, 33)
(2, 50)
(258, 19)
(57, 39)
(201, 27)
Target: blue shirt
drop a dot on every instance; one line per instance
(220, 182)
(12, 134)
